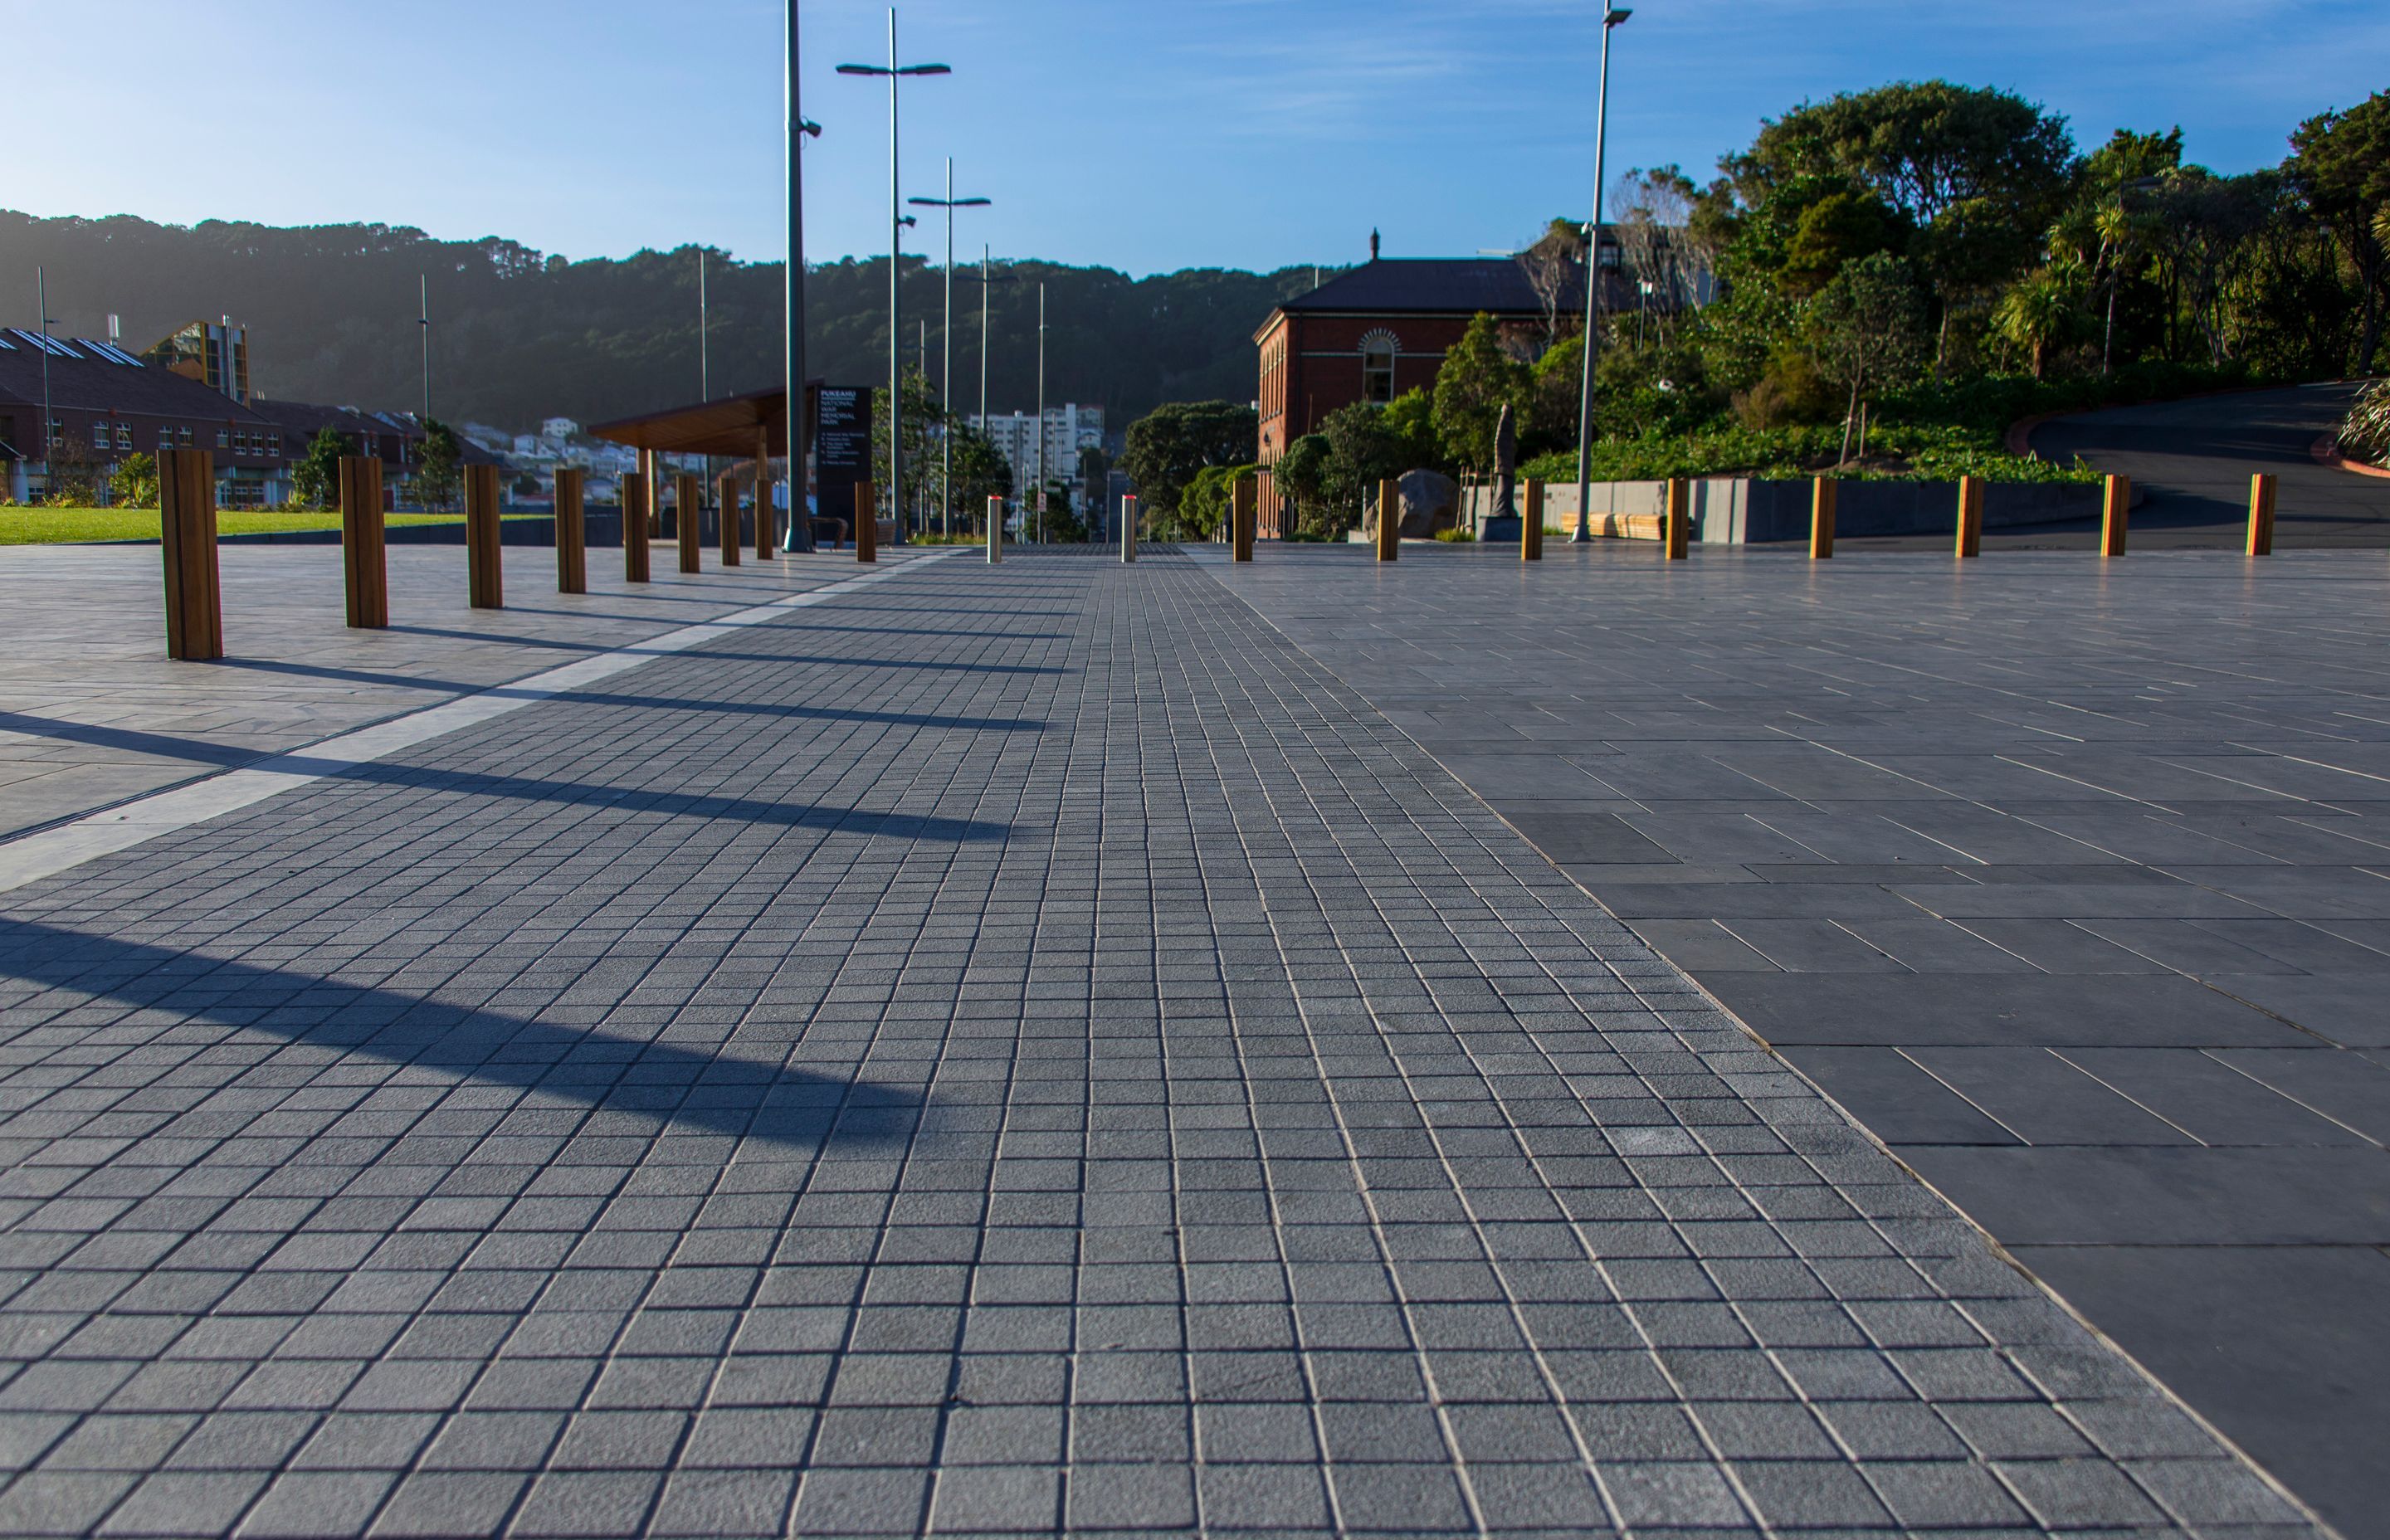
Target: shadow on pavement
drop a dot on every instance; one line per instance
(659, 1082)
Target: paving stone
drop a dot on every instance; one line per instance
(1009, 1050)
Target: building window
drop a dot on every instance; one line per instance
(99, 435)
(224, 438)
(183, 436)
(58, 430)
(123, 435)
(1378, 367)
(165, 438)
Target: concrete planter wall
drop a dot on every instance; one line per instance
(1739, 510)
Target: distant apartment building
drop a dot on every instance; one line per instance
(214, 353)
(1068, 430)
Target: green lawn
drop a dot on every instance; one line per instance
(21, 526)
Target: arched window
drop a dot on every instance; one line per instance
(1378, 351)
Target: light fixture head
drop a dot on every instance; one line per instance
(1617, 15)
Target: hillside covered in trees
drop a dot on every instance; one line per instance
(518, 335)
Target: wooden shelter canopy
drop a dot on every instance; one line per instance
(725, 426)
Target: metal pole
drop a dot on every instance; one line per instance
(792, 343)
(42, 309)
(896, 326)
(1592, 294)
(425, 322)
(704, 374)
(1128, 528)
(994, 531)
(946, 371)
(1041, 413)
(982, 339)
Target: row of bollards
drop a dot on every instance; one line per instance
(194, 593)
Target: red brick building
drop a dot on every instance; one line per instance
(1377, 330)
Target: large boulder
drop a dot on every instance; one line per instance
(1430, 503)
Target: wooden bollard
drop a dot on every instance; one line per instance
(1822, 494)
(635, 528)
(364, 561)
(1971, 515)
(2115, 514)
(866, 521)
(484, 578)
(187, 523)
(572, 533)
(1679, 526)
(688, 520)
(1531, 521)
(994, 531)
(765, 541)
(2261, 513)
(726, 504)
(1244, 511)
(1390, 521)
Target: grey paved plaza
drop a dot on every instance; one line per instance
(90, 716)
(1007, 1050)
(2070, 880)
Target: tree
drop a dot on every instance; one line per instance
(1555, 268)
(1479, 377)
(1302, 477)
(439, 467)
(1864, 330)
(1168, 446)
(1840, 227)
(134, 484)
(1410, 420)
(316, 479)
(1361, 453)
(2341, 166)
(2038, 314)
(1977, 173)
(2204, 226)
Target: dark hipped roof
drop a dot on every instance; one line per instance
(1439, 286)
(90, 381)
(725, 426)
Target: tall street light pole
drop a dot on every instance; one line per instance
(792, 299)
(424, 321)
(1612, 17)
(896, 222)
(946, 369)
(1041, 413)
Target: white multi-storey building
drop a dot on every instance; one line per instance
(1069, 428)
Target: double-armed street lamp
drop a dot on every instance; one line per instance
(1612, 17)
(946, 368)
(897, 219)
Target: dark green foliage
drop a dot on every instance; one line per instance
(1302, 475)
(134, 484)
(518, 335)
(2342, 171)
(1169, 445)
(315, 478)
(1479, 375)
(439, 467)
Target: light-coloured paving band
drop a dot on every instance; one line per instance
(111, 829)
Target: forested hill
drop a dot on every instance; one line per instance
(517, 335)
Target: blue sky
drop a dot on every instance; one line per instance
(1147, 135)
